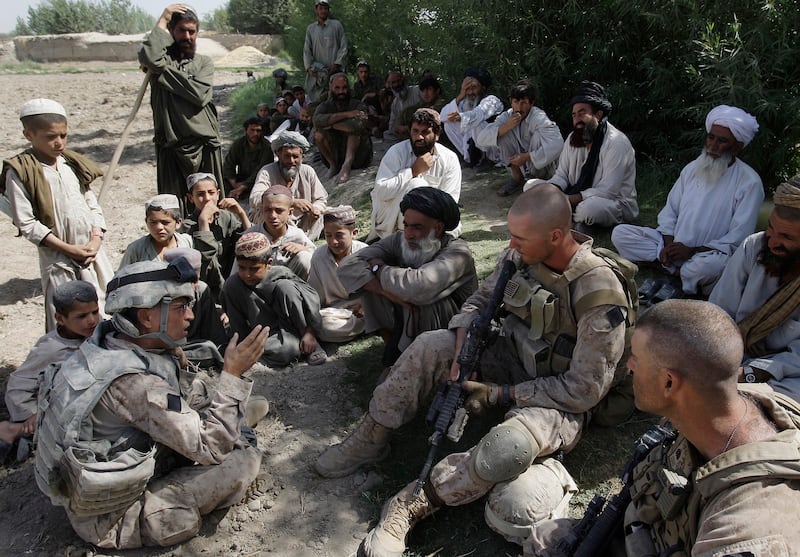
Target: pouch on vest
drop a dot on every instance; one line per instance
(99, 486)
(532, 303)
(533, 353)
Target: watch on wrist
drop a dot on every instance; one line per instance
(375, 268)
(749, 375)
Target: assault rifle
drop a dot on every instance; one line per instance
(447, 411)
(597, 526)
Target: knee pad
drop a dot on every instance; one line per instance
(504, 453)
(540, 493)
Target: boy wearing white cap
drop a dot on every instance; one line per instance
(51, 203)
(163, 218)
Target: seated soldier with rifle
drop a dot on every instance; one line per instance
(573, 304)
(715, 488)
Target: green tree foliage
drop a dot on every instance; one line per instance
(54, 17)
(218, 20)
(665, 63)
(258, 16)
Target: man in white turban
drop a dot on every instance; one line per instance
(711, 208)
(309, 196)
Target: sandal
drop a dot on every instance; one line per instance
(667, 292)
(509, 188)
(317, 357)
(649, 288)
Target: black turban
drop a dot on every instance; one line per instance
(480, 74)
(594, 94)
(433, 203)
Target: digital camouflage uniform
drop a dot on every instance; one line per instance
(112, 421)
(563, 349)
(742, 502)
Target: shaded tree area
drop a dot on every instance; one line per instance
(258, 16)
(665, 64)
(54, 17)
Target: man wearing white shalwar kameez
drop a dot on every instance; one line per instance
(709, 210)
(77, 219)
(467, 115)
(413, 163)
(764, 268)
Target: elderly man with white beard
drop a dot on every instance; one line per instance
(712, 207)
(416, 279)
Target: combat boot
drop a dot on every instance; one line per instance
(367, 444)
(398, 517)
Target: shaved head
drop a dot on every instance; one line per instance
(545, 207)
(711, 346)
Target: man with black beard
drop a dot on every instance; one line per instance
(760, 290)
(416, 279)
(309, 196)
(341, 131)
(185, 120)
(712, 207)
(418, 161)
(597, 167)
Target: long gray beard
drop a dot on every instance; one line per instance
(289, 173)
(470, 103)
(709, 169)
(426, 249)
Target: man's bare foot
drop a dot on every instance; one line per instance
(342, 177)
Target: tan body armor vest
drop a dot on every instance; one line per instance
(546, 306)
(77, 471)
(673, 484)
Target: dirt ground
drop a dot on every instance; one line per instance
(294, 512)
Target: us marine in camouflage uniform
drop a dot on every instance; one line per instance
(117, 441)
(729, 485)
(560, 356)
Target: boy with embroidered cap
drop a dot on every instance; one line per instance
(77, 315)
(342, 315)
(260, 294)
(52, 205)
(163, 218)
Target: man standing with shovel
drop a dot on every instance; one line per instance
(184, 118)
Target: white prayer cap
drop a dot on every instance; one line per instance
(289, 139)
(163, 202)
(41, 106)
(743, 126)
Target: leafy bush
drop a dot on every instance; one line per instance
(257, 16)
(55, 17)
(218, 20)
